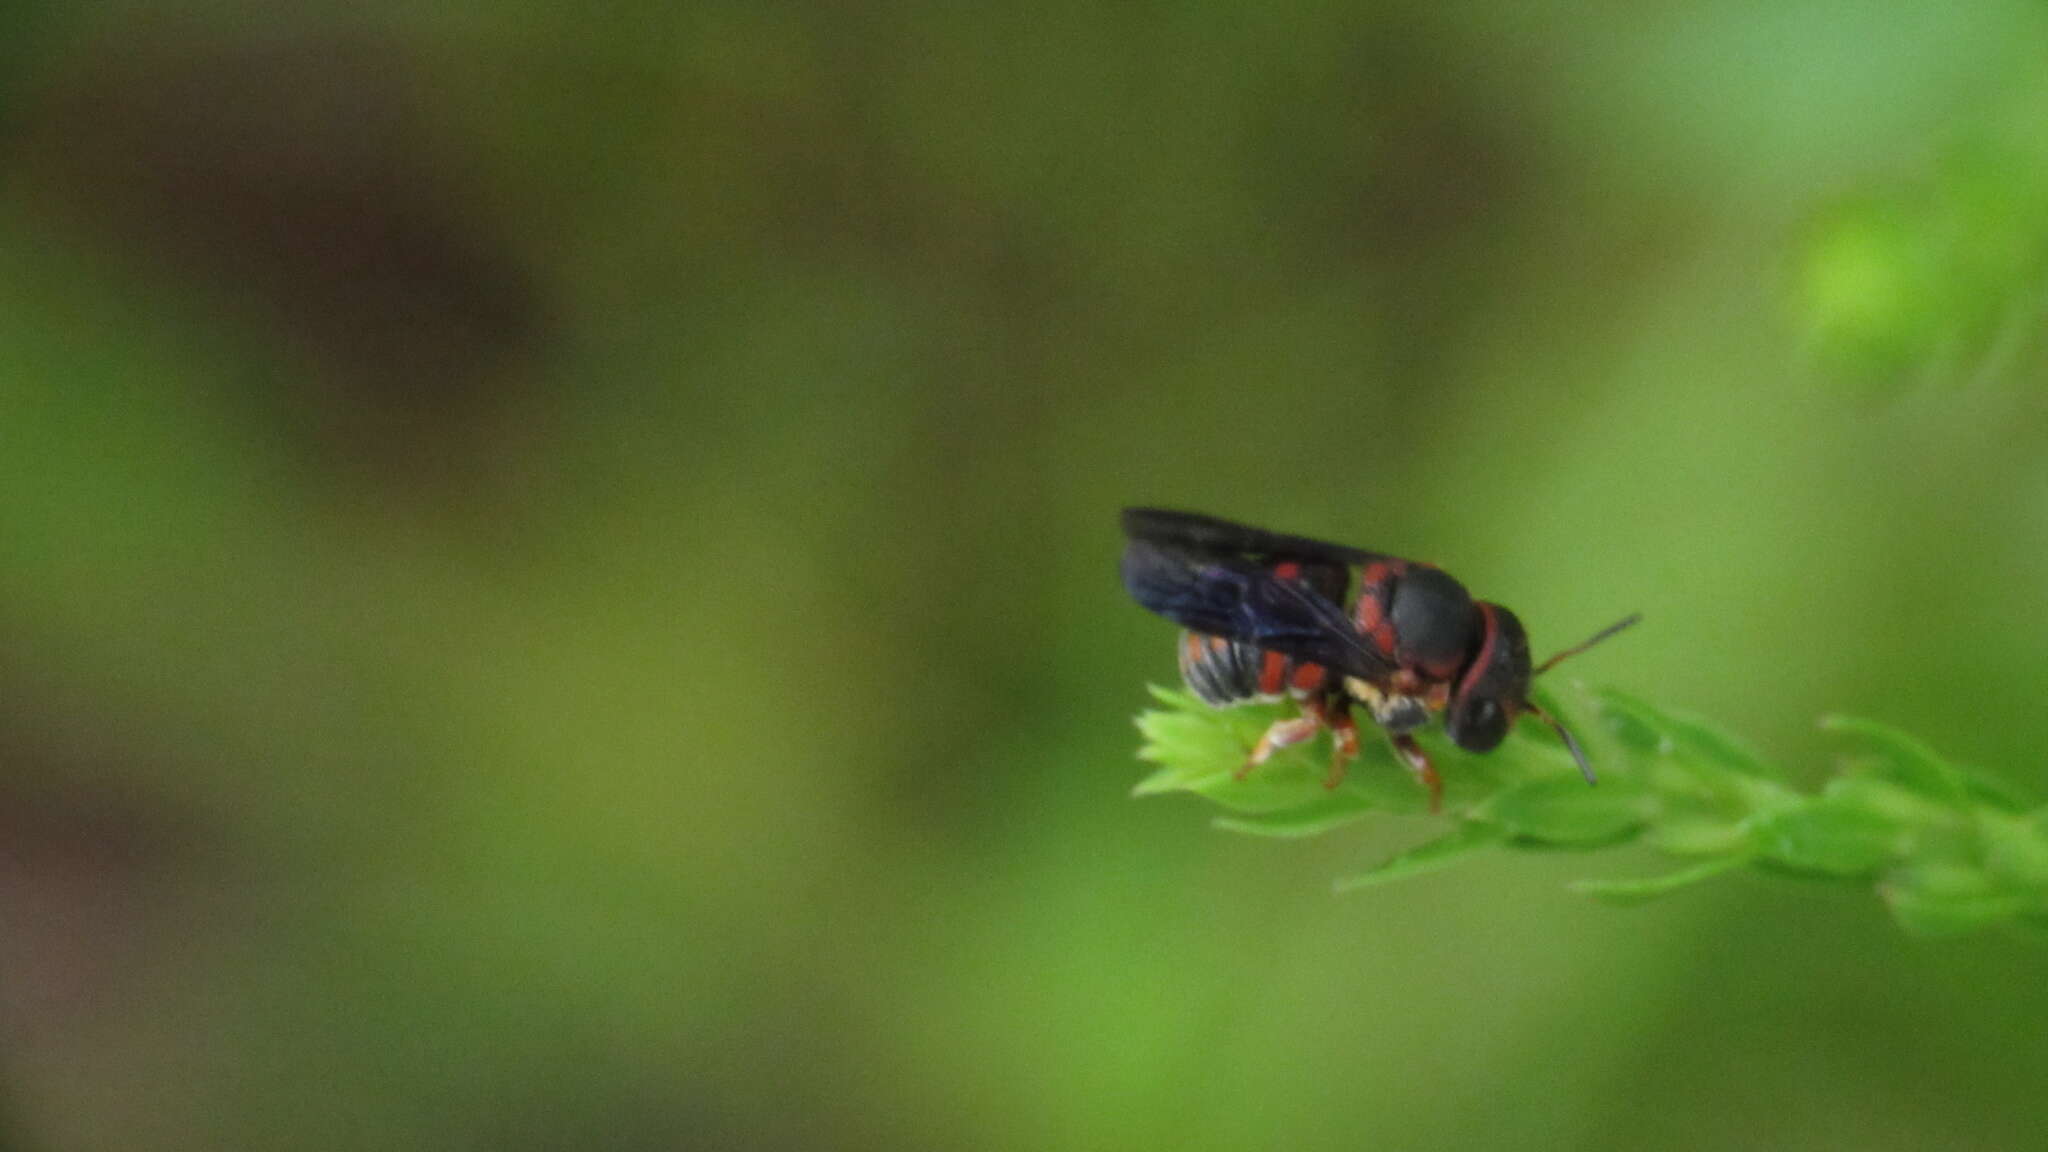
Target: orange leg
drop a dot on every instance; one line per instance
(1282, 734)
(1343, 745)
(1425, 772)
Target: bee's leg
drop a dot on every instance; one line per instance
(1285, 733)
(1425, 772)
(1343, 743)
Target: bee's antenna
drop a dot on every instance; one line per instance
(1575, 649)
(1571, 745)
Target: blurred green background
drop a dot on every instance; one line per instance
(557, 565)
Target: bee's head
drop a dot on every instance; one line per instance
(1493, 687)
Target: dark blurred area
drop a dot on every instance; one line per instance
(558, 580)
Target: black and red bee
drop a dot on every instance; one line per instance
(1265, 616)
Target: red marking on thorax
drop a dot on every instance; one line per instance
(1272, 674)
(1490, 633)
(1369, 614)
(1371, 611)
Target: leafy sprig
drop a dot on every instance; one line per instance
(1947, 848)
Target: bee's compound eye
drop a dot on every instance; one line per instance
(1477, 725)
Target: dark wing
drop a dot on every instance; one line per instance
(1223, 539)
(1241, 600)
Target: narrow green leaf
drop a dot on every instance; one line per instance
(1700, 836)
(2016, 848)
(1195, 744)
(1683, 736)
(1696, 739)
(1828, 838)
(1566, 811)
(1894, 802)
(1902, 759)
(1947, 900)
(1175, 698)
(1331, 810)
(1631, 726)
(1629, 892)
(1186, 752)
(1467, 838)
(1990, 790)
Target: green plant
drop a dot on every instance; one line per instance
(1948, 849)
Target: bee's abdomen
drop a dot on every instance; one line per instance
(1224, 672)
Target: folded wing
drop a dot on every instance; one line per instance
(1241, 599)
(1226, 539)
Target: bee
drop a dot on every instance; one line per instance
(1268, 615)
